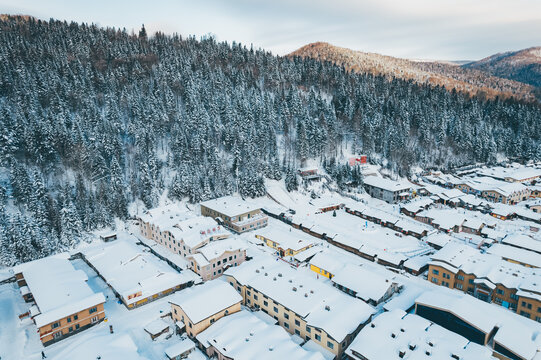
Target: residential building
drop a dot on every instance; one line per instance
(135, 276)
(302, 305)
(510, 336)
(180, 350)
(387, 190)
(64, 304)
(244, 335)
(516, 255)
(237, 214)
(396, 335)
(522, 241)
(286, 240)
(213, 259)
(484, 276)
(180, 231)
(309, 173)
(364, 284)
(202, 305)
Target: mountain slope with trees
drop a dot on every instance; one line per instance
(451, 76)
(523, 65)
(93, 119)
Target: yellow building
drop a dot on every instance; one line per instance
(484, 276)
(325, 264)
(200, 306)
(302, 305)
(64, 304)
(287, 241)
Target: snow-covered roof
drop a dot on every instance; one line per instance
(179, 348)
(244, 336)
(327, 260)
(485, 267)
(416, 263)
(202, 301)
(166, 216)
(318, 303)
(516, 333)
(230, 205)
(157, 326)
(58, 289)
(194, 231)
(217, 248)
(387, 184)
(418, 205)
(131, 269)
(287, 237)
(439, 239)
(101, 345)
(523, 241)
(517, 254)
(396, 331)
(367, 284)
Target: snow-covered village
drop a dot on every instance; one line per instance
(443, 266)
(270, 180)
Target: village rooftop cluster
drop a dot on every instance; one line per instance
(442, 266)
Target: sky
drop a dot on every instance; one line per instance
(415, 29)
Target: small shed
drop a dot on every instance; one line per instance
(180, 350)
(156, 328)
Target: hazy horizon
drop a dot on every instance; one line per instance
(454, 30)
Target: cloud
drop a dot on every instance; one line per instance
(435, 29)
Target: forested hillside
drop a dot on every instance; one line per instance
(463, 79)
(523, 65)
(93, 119)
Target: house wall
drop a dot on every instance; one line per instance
(194, 329)
(275, 245)
(465, 282)
(69, 325)
(453, 323)
(230, 221)
(529, 307)
(291, 321)
(216, 266)
(321, 272)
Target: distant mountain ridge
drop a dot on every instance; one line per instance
(523, 65)
(451, 76)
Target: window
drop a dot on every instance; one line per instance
(435, 272)
(538, 318)
(297, 322)
(286, 316)
(525, 314)
(56, 324)
(460, 277)
(265, 303)
(434, 280)
(275, 309)
(470, 281)
(248, 301)
(75, 317)
(297, 332)
(230, 258)
(318, 337)
(286, 325)
(212, 321)
(459, 286)
(308, 330)
(330, 345)
(524, 303)
(255, 297)
(93, 310)
(190, 324)
(70, 329)
(69, 319)
(307, 337)
(500, 291)
(219, 262)
(248, 293)
(76, 326)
